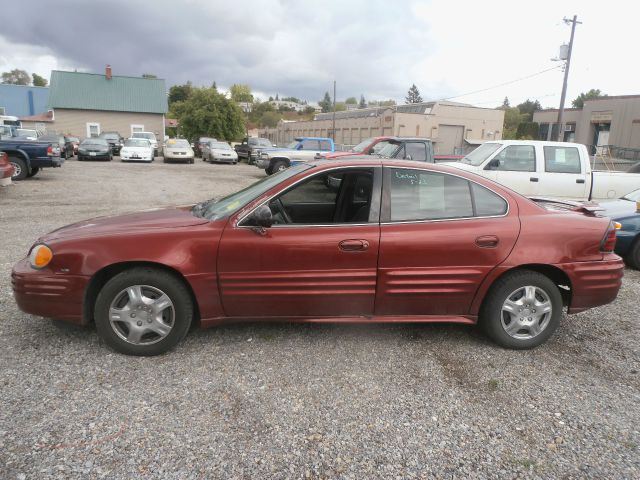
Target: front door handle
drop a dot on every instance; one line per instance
(579, 180)
(487, 241)
(533, 179)
(353, 245)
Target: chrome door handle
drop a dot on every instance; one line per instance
(353, 245)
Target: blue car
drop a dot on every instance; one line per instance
(626, 210)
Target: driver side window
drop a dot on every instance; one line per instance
(338, 196)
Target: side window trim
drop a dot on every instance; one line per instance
(385, 207)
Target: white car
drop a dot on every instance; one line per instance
(178, 150)
(148, 136)
(219, 152)
(137, 150)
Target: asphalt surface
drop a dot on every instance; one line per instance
(298, 401)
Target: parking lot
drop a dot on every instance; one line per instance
(298, 401)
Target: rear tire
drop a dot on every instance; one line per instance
(633, 257)
(521, 310)
(278, 166)
(150, 320)
(20, 167)
(33, 172)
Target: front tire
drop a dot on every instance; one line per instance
(522, 310)
(633, 257)
(20, 167)
(143, 311)
(278, 166)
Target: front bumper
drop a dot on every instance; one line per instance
(262, 163)
(594, 283)
(47, 293)
(97, 156)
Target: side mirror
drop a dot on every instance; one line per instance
(262, 218)
(274, 145)
(494, 164)
(408, 157)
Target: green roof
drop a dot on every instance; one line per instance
(92, 91)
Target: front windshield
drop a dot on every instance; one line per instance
(389, 150)
(148, 136)
(362, 145)
(24, 132)
(215, 209)
(137, 142)
(221, 145)
(110, 136)
(178, 143)
(633, 196)
(481, 153)
(292, 145)
(94, 141)
(264, 142)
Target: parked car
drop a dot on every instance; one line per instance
(250, 146)
(626, 211)
(6, 169)
(178, 150)
(115, 141)
(149, 136)
(94, 148)
(199, 143)
(372, 146)
(302, 149)
(547, 169)
(219, 152)
(75, 141)
(137, 149)
(66, 147)
(409, 242)
(28, 156)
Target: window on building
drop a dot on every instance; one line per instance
(93, 129)
(137, 128)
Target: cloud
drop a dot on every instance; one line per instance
(376, 48)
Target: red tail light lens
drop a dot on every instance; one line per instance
(50, 151)
(609, 241)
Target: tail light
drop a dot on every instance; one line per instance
(53, 151)
(609, 241)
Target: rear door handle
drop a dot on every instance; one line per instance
(579, 180)
(487, 241)
(353, 245)
(533, 179)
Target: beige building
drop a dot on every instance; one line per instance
(453, 127)
(606, 121)
(87, 104)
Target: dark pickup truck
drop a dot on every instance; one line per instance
(250, 145)
(29, 156)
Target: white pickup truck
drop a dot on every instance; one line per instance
(547, 169)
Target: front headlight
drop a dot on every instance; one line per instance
(40, 256)
(265, 156)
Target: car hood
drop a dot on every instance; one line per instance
(136, 149)
(618, 208)
(174, 217)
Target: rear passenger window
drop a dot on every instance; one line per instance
(310, 145)
(325, 145)
(487, 203)
(420, 195)
(562, 160)
(417, 151)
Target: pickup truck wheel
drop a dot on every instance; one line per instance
(33, 172)
(20, 167)
(522, 310)
(143, 311)
(633, 257)
(278, 166)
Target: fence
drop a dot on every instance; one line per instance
(611, 157)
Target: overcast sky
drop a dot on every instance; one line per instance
(372, 47)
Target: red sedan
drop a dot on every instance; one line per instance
(357, 240)
(6, 169)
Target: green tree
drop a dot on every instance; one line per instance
(413, 95)
(351, 101)
(16, 77)
(528, 107)
(180, 93)
(39, 81)
(579, 101)
(291, 99)
(512, 119)
(505, 102)
(363, 102)
(269, 119)
(340, 107)
(241, 93)
(206, 112)
(527, 130)
(325, 103)
(149, 75)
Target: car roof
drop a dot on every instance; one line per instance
(533, 142)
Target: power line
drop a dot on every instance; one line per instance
(505, 83)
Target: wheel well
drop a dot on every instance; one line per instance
(556, 275)
(101, 277)
(278, 159)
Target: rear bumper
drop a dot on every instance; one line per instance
(594, 283)
(46, 162)
(47, 294)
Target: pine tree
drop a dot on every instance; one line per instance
(363, 103)
(413, 95)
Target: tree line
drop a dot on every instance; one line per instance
(22, 77)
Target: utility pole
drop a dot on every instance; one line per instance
(333, 126)
(573, 23)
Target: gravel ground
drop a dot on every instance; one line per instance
(298, 401)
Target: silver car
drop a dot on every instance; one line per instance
(178, 150)
(219, 152)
